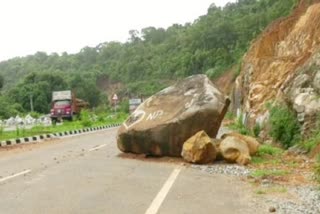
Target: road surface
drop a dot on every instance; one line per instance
(88, 174)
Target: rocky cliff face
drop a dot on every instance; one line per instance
(283, 63)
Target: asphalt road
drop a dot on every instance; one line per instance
(88, 174)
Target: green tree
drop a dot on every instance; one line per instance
(85, 88)
(1, 82)
(37, 87)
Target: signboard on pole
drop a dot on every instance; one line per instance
(133, 104)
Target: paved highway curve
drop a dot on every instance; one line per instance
(88, 174)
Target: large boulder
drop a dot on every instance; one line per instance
(235, 150)
(199, 149)
(163, 122)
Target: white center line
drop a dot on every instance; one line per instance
(97, 147)
(157, 201)
(15, 175)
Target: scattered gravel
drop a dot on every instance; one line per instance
(302, 200)
(226, 169)
(306, 201)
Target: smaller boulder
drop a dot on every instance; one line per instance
(235, 150)
(252, 143)
(199, 149)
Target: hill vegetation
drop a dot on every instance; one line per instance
(151, 58)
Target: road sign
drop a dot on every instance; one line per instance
(115, 97)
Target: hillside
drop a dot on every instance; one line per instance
(283, 65)
(151, 59)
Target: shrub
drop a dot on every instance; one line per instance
(102, 109)
(311, 142)
(268, 150)
(215, 72)
(229, 115)
(86, 118)
(240, 127)
(284, 125)
(102, 118)
(256, 130)
(35, 114)
(86, 123)
(314, 139)
(124, 106)
(317, 169)
(17, 131)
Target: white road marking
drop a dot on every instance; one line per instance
(97, 147)
(157, 201)
(15, 175)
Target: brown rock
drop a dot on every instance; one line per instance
(272, 209)
(162, 123)
(252, 143)
(199, 149)
(235, 150)
(216, 143)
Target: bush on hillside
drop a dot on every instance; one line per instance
(284, 125)
(317, 169)
(86, 119)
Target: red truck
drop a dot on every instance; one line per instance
(65, 105)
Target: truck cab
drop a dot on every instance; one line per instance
(61, 109)
(62, 106)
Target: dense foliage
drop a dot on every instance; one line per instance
(284, 125)
(150, 60)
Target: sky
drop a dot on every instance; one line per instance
(28, 26)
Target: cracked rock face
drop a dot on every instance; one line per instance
(302, 92)
(163, 122)
(275, 58)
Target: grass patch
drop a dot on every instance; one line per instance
(269, 150)
(312, 142)
(260, 173)
(267, 154)
(273, 189)
(265, 160)
(258, 160)
(260, 192)
(229, 115)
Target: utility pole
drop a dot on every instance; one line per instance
(31, 102)
(115, 100)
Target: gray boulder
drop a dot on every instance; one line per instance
(163, 122)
